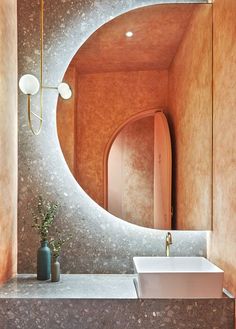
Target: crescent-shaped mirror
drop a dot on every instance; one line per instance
(137, 132)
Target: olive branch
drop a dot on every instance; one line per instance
(56, 244)
(43, 220)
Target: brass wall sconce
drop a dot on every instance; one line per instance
(30, 85)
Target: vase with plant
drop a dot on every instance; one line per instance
(42, 221)
(56, 246)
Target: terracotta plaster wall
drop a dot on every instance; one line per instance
(222, 241)
(8, 138)
(190, 106)
(105, 101)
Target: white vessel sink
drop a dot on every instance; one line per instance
(177, 277)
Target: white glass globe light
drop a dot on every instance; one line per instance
(64, 90)
(29, 84)
(67, 94)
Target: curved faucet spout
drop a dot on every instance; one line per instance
(168, 243)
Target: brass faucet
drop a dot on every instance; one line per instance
(168, 243)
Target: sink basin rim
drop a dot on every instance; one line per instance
(155, 264)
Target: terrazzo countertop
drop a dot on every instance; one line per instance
(79, 286)
(89, 301)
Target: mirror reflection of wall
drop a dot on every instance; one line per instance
(166, 64)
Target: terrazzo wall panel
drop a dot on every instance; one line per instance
(8, 139)
(190, 102)
(222, 241)
(101, 243)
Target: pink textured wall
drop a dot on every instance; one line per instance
(8, 139)
(157, 29)
(222, 241)
(105, 101)
(131, 173)
(115, 177)
(190, 106)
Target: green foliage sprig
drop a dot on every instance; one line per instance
(43, 220)
(56, 244)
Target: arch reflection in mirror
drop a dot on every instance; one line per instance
(139, 172)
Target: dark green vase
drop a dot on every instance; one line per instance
(44, 261)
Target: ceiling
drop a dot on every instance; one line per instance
(157, 33)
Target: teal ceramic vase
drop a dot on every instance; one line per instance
(44, 261)
(55, 270)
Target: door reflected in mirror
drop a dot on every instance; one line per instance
(138, 169)
(122, 85)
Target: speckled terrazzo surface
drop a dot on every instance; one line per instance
(115, 314)
(81, 286)
(103, 301)
(101, 243)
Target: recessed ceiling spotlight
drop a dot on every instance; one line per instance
(129, 34)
